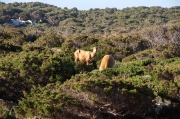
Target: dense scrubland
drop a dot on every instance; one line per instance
(39, 76)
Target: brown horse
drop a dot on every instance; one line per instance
(107, 62)
(84, 56)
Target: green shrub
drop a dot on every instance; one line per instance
(50, 39)
(46, 101)
(23, 70)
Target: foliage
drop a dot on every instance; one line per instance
(21, 71)
(8, 47)
(94, 91)
(45, 102)
(164, 51)
(49, 39)
(12, 35)
(38, 72)
(91, 21)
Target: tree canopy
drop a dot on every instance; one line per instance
(39, 78)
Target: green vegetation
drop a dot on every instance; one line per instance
(93, 21)
(39, 77)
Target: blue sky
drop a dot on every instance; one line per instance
(87, 4)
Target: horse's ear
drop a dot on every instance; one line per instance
(94, 49)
